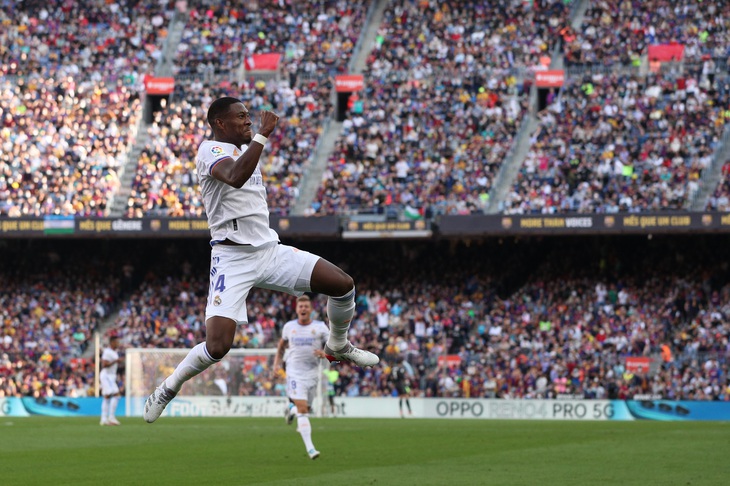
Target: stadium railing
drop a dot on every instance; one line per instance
(708, 180)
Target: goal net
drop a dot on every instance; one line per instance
(242, 384)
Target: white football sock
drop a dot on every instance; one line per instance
(105, 409)
(340, 311)
(113, 401)
(305, 430)
(197, 361)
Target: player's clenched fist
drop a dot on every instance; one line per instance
(268, 123)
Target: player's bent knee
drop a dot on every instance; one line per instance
(343, 283)
(217, 349)
(220, 333)
(331, 280)
(347, 283)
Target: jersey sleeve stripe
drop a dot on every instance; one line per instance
(210, 171)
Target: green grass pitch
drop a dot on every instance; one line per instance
(233, 451)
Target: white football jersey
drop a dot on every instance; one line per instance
(303, 341)
(108, 354)
(240, 215)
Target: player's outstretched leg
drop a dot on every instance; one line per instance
(196, 361)
(340, 311)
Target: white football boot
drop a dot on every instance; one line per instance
(353, 355)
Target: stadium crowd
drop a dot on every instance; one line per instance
(434, 145)
(50, 307)
(620, 32)
(87, 38)
(620, 143)
(52, 67)
(315, 39)
(70, 77)
(63, 141)
(430, 133)
(314, 36)
(559, 326)
(439, 111)
(466, 37)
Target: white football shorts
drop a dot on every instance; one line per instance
(234, 270)
(108, 385)
(298, 388)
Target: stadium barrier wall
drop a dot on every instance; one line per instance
(387, 407)
(54, 407)
(335, 227)
(573, 224)
(152, 227)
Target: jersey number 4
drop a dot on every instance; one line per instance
(220, 284)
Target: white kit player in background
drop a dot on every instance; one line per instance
(108, 379)
(302, 339)
(246, 252)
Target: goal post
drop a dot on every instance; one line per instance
(241, 384)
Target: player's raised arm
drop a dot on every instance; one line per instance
(234, 126)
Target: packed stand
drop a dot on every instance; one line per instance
(620, 32)
(619, 143)
(439, 112)
(466, 37)
(432, 146)
(50, 308)
(552, 320)
(88, 38)
(314, 36)
(70, 77)
(62, 144)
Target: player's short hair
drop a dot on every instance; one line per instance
(304, 298)
(220, 107)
